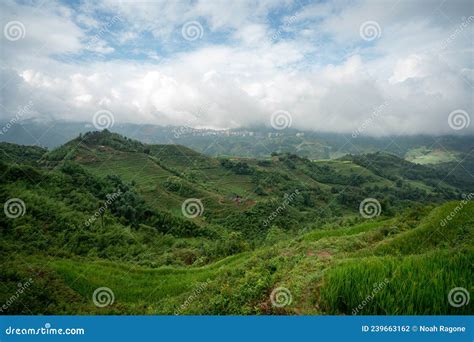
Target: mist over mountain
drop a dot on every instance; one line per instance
(250, 142)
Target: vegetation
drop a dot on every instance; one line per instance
(107, 211)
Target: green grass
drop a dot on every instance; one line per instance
(138, 287)
(432, 234)
(360, 228)
(330, 271)
(325, 275)
(415, 285)
(216, 187)
(423, 155)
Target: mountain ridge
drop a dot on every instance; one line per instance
(254, 142)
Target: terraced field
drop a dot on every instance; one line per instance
(213, 185)
(283, 227)
(329, 271)
(138, 288)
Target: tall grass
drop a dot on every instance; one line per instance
(432, 234)
(134, 284)
(417, 284)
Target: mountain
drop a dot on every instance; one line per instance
(169, 230)
(256, 142)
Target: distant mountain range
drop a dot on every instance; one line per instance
(252, 142)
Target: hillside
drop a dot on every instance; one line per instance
(104, 210)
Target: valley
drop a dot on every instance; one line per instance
(190, 233)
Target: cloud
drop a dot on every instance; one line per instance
(318, 67)
(48, 30)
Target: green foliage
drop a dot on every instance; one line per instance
(104, 210)
(240, 168)
(13, 153)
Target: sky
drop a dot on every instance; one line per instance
(361, 67)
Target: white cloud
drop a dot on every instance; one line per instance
(49, 30)
(319, 69)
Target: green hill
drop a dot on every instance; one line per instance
(107, 211)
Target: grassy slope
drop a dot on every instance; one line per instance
(416, 284)
(314, 267)
(198, 176)
(137, 288)
(423, 155)
(327, 271)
